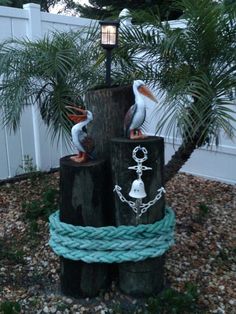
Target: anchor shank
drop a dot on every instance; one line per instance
(138, 204)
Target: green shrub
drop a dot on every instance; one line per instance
(171, 301)
(11, 253)
(202, 213)
(9, 307)
(43, 207)
(204, 209)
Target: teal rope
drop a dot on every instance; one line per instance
(112, 244)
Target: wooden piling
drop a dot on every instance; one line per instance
(109, 106)
(83, 202)
(139, 278)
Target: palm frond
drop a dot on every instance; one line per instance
(195, 66)
(51, 72)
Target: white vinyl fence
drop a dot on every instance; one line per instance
(32, 143)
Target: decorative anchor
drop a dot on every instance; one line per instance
(137, 190)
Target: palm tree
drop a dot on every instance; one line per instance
(195, 66)
(52, 73)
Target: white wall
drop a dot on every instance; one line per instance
(32, 139)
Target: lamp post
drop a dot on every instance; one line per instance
(109, 40)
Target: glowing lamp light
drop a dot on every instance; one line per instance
(109, 40)
(109, 34)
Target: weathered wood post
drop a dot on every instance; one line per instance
(146, 277)
(109, 106)
(83, 202)
(86, 189)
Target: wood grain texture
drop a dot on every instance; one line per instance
(147, 277)
(83, 202)
(121, 159)
(109, 107)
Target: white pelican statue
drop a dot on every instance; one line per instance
(135, 116)
(80, 139)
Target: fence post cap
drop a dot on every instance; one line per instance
(125, 17)
(28, 6)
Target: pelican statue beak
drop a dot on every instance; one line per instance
(77, 117)
(143, 89)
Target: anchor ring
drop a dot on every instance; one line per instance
(144, 151)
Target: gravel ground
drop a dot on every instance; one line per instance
(204, 254)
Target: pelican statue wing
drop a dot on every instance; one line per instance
(129, 118)
(88, 144)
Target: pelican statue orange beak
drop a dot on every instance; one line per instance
(143, 89)
(77, 117)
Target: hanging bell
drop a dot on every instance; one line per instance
(137, 189)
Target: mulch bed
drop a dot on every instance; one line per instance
(204, 255)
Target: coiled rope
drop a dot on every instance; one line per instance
(112, 244)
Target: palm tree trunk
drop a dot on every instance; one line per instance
(179, 159)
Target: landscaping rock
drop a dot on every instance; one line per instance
(202, 259)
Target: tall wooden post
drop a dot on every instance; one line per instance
(83, 202)
(146, 277)
(109, 107)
